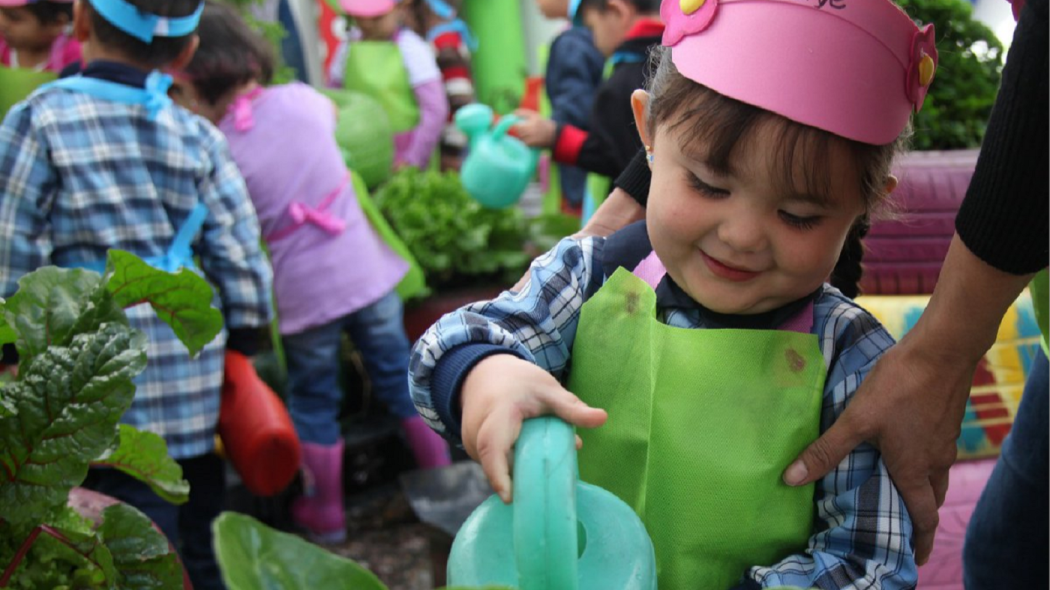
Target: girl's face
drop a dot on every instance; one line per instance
(23, 31)
(741, 243)
(380, 28)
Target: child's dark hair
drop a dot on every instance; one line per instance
(642, 6)
(230, 53)
(47, 13)
(163, 50)
(721, 123)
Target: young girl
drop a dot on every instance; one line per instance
(395, 66)
(702, 347)
(35, 34)
(452, 43)
(332, 273)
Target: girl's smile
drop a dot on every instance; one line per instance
(726, 271)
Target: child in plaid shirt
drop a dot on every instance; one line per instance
(104, 160)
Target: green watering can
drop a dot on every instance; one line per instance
(558, 533)
(497, 167)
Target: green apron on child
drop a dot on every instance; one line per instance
(18, 83)
(375, 68)
(702, 423)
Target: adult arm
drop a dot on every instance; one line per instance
(626, 203)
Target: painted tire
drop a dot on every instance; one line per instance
(904, 255)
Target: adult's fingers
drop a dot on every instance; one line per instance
(918, 494)
(823, 454)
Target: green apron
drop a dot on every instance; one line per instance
(701, 425)
(18, 83)
(414, 283)
(375, 68)
(1040, 291)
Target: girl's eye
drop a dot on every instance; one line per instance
(707, 190)
(798, 222)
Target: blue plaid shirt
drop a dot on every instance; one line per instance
(862, 536)
(80, 175)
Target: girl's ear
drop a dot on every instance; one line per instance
(891, 185)
(640, 107)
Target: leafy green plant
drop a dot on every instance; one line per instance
(77, 358)
(960, 99)
(252, 555)
(452, 236)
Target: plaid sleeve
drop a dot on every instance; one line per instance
(862, 534)
(537, 323)
(230, 251)
(27, 181)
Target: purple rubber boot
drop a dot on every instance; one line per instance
(429, 449)
(319, 511)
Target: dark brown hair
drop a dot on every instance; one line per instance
(720, 124)
(230, 54)
(642, 6)
(47, 13)
(162, 51)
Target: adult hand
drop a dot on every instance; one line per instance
(911, 407)
(617, 211)
(535, 130)
(912, 403)
(501, 392)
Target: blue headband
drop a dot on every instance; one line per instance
(441, 9)
(143, 25)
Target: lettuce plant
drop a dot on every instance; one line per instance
(59, 416)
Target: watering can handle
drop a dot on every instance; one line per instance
(504, 125)
(545, 533)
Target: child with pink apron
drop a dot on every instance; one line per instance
(332, 272)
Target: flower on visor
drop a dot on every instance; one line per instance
(923, 65)
(685, 17)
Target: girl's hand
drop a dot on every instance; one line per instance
(499, 393)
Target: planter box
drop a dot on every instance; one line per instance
(419, 316)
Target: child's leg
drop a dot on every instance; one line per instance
(207, 478)
(314, 396)
(378, 331)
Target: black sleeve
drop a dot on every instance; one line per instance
(635, 179)
(1003, 219)
(613, 138)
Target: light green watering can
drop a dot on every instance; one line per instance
(497, 167)
(558, 533)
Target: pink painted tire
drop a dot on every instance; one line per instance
(904, 254)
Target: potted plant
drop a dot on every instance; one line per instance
(77, 358)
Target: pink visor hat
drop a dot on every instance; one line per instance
(17, 3)
(366, 8)
(855, 68)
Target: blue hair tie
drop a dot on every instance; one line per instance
(144, 26)
(574, 13)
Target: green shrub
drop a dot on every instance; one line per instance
(956, 110)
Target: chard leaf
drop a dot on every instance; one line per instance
(68, 399)
(182, 300)
(52, 306)
(144, 456)
(142, 556)
(252, 555)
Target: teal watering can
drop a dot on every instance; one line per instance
(497, 167)
(558, 533)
